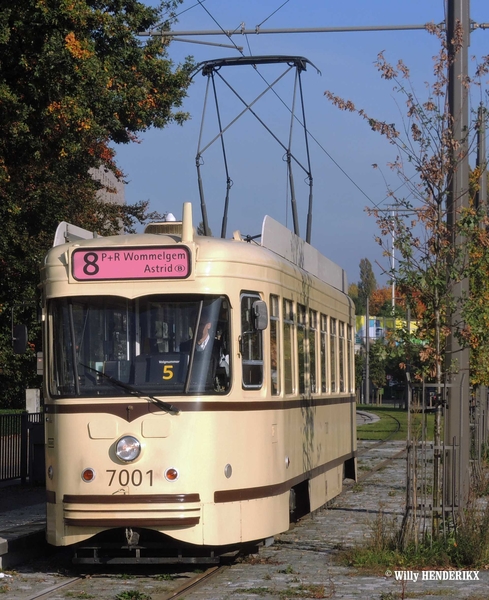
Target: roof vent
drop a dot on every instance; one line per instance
(169, 227)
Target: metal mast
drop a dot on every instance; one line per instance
(457, 428)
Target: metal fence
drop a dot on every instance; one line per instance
(22, 447)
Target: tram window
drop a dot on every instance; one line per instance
(332, 352)
(324, 353)
(288, 320)
(147, 342)
(349, 346)
(274, 346)
(313, 320)
(341, 355)
(301, 349)
(251, 344)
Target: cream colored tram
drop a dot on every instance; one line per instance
(146, 433)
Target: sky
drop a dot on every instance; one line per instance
(343, 148)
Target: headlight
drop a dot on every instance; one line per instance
(128, 448)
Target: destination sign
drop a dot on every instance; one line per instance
(153, 262)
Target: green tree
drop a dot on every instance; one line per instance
(75, 79)
(377, 359)
(200, 229)
(367, 283)
(353, 293)
(359, 369)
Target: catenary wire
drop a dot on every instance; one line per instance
(221, 28)
(271, 15)
(376, 205)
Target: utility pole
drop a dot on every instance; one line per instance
(367, 351)
(457, 429)
(481, 205)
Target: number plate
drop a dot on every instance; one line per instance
(126, 477)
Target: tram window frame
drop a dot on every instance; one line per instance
(324, 353)
(349, 359)
(342, 356)
(288, 327)
(333, 353)
(312, 351)
(93, 336)
(301, 348)
(251, 344)
(275, 370)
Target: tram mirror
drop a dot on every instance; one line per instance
(19, 339)
(261, 315)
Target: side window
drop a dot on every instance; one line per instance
(332, 353)
(324, 353)
(342, 356)
(313, 325)
(301, 346)
(349, 342)
(274, 346)
(288, 318)
(251, 344)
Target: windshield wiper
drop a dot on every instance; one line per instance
(135, 392)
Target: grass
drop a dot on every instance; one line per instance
(393, 423)
(132, 595)
(302, 591)
(466, 547)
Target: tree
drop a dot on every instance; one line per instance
(353, 293)
(75, 78)
(200, 229)
(422, 239)
(367, 283)
(430, 265)
(377, 363)
(381, 302)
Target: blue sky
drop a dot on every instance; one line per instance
(162, 167)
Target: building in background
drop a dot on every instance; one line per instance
(378, 328)
(112, 190)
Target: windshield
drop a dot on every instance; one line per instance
(161, 345)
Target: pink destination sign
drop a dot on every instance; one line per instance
(153, 262)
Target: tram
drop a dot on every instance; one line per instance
(198, 391)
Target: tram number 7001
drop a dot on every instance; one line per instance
(125, 477)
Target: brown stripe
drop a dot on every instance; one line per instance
(131, 499)
(276, 489)
(184, 521)
(131, 411)
(50, 497)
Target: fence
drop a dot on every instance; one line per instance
(22, 447)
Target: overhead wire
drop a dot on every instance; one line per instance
(187, 9)
(376, 205)
(271, 15)
(201, 2)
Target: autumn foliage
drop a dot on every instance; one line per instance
(75, 80)
(428, 263)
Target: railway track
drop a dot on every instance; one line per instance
(197, 581)
(48, 582)
(375, 445)
(52, 591)
(301, 564)
(105, 586)
(387, 438)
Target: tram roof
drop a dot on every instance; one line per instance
(274, 237)
(294, 249)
